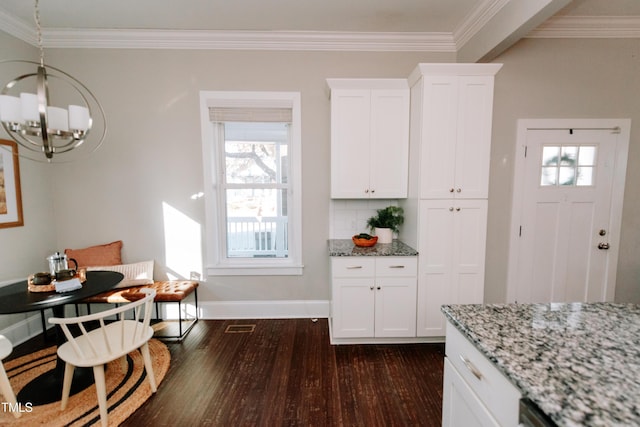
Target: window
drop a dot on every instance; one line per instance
(252, 155)
(568, 165)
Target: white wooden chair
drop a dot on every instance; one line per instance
(5, 387)
(110, 341)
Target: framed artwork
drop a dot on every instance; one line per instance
(10, 193)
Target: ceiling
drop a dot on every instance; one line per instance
(401, 25)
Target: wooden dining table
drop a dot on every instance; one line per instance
(16, 298)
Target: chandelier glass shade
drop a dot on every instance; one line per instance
(74, 126)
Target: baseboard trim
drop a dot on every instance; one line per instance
(31, 326)
(23, 330)
(283, 309)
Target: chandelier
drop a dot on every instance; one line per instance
(35, 123)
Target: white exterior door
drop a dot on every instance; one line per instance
(568, 219)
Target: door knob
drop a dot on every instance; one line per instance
(603, 246)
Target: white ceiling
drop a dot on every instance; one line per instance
(406, 25)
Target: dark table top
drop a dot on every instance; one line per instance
(16, 297)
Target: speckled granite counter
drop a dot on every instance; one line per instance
(580, 363)
(345, 247)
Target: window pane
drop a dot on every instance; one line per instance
(549, 176)
(569, 156)
(587, 156)
(550, 155)
(585, 176)
(256, 226)
(567, 176)
(255, 153)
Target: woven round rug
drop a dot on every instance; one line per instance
(127, 389)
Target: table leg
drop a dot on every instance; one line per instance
(47, 388)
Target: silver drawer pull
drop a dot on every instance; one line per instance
(354, 267)
(396, 266)
(471, 367)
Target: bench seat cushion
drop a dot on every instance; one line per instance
(166, 291)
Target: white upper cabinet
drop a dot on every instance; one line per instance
(456, 129)
(369, 138)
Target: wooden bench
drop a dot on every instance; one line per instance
(170, 291)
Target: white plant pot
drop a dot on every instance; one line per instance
(385, 235)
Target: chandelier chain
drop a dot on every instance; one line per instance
(36, 16)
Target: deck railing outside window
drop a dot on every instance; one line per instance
(251, 237)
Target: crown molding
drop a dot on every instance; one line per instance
(17, 28)
(555, 27)
(588, 27)
(476, 20)
(250, 40)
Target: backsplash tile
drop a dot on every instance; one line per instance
(349, 216)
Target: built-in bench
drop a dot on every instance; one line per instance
(169, 291)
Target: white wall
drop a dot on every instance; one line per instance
(564, 79)
(153, 150)
(23, 249)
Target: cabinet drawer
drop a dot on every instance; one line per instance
(396, 267)
(496, 392)
(352, 267)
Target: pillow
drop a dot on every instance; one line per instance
(136, 274)
(107, 254)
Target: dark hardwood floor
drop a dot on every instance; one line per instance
(286, 373)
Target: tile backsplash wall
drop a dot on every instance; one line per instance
(349, 216)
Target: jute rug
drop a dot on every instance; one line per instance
(126, 391)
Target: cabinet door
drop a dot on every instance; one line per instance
(468, 260)
(456, 133)
(460, 406)
(350, 134)
(452, 239)
(395, 307)
(353, 308)
(389, 144)
(435, 269)
(473, 139)
(439, 130)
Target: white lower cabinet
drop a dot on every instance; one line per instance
(373, 297)
(451, 242)
(475, 393)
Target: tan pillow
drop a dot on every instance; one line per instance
(136, 274)
(108, 254)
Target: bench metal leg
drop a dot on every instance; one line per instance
(182, 332)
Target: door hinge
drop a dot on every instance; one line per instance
(520, 232)
(525, 150)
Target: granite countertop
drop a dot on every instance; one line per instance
(345, 247)
(579, 362)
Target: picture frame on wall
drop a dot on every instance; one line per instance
(10, 191)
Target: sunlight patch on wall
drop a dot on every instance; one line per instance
(182, 244)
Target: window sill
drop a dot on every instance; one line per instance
(253, 270)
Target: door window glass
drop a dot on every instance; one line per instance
(568, 165)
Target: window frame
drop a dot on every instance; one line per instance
(217, 261)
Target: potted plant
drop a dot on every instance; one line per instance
(386, 222)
